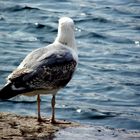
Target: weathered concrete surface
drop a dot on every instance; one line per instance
(16, 127)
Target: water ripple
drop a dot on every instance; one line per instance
(105, 88)
(17, 8)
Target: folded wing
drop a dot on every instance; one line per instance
(50, 71)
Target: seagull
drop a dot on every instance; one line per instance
(45, 70)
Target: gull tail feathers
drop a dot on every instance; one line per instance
(8, 92)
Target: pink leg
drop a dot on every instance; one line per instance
(38, 108)
(53, 120)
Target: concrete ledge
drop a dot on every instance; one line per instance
(18, 127)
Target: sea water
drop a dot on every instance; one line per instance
(105, 89)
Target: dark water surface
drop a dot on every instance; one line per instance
(106, 87)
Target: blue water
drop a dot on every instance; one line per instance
(105, 89)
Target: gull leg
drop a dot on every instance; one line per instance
(38, 108)
(53, 120)
(53, 109)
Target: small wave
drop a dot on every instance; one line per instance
(92, 35)
(136, 16)
(96, 35)
(22, 99)
(21, 36)
(131, 84)
(16, 8)
(32, 27)
(48, 27)
(120, 39)
(98, 115)
(94, 19)
(39, 25)
(101, 20)
(2, 18)
(137, 28)
(4, 71)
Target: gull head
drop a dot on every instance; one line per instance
(66, 32)
(66, 23)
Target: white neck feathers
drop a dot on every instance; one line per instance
(65, 34)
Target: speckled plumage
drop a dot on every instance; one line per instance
(45, 70)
